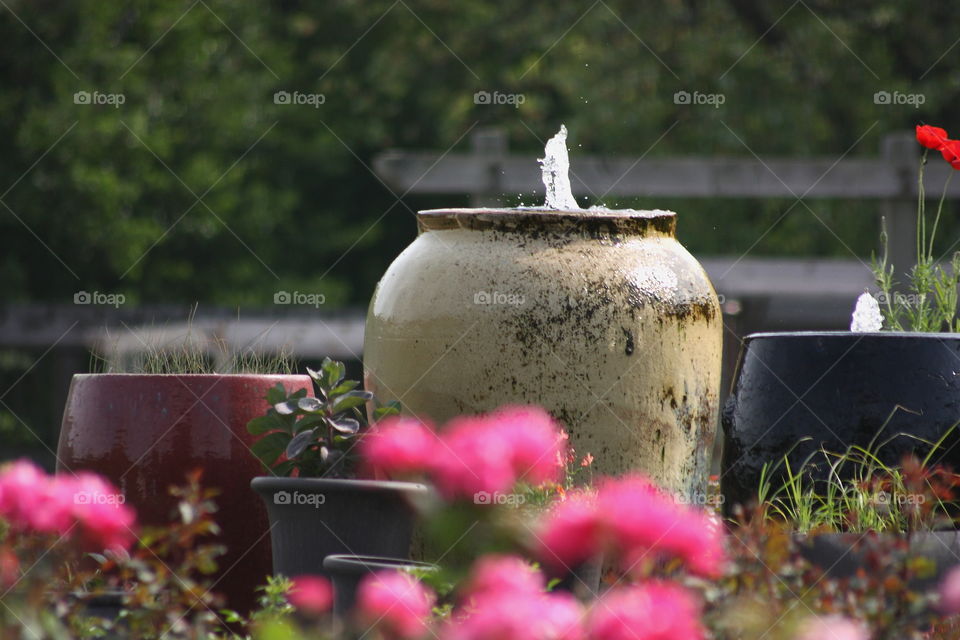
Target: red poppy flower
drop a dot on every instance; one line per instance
(931, 137)
(951, 153)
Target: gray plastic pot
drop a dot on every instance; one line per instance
(346, 571)
(312, 518)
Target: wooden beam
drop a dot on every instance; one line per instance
(882, 177)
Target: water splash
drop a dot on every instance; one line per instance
(555, 166)
(866, 315)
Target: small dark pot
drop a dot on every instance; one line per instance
(312, 518)
(838, 389)
(107, 605)
(583, 580)
(346, 572)
(840, 555)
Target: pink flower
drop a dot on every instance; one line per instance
(517, 616)
(395, 603)
(571, 532)
(399, 447)
(311, 594)
(474, 458)
(501, 574)
(832, 627)
(950, 593)
(106, 522)
(492, 453)
(536, 442)
(30, 502)
(649, 611)
(642, 520)
(86, 505)
(631, 519)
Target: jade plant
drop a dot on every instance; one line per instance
(315, 436)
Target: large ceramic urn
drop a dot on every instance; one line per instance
(604, 319)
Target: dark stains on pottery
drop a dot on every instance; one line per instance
(628, 349)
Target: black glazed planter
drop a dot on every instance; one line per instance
(312, 518)
(346, 571)
(838, 389)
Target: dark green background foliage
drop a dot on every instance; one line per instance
(287, 198)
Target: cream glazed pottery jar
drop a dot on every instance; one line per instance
(603, 318)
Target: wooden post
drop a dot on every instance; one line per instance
(489, 144)
(899, 213)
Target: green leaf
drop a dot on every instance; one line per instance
(333, 372)
(317, 377)
(349, 401)
(344, 387)
(310, 405)
(299, 443)
(285, 468)
(269, 447)
(276, 394)
(286, 408)
(309, 421)
(345, 425)
(389, 409)
(271, 421)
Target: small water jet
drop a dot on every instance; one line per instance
(555, 166)
(866, 315)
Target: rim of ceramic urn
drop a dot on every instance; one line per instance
(235, 376)
(363, 564)
(276, 483)
(636, 221)
(766, 335)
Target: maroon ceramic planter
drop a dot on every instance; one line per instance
(146, 432)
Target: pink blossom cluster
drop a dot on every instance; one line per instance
(395, 603)
(949, 592)
(631, 519)
(505, 599)
(84, 505)
(313, 595)
(470, 454)
(833, 627)
(648, 611)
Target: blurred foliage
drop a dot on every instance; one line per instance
(105, 198)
